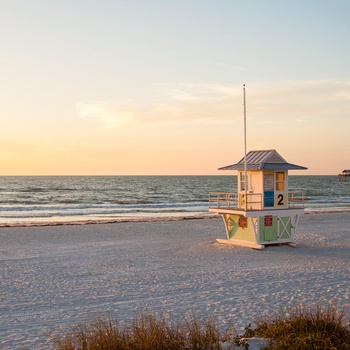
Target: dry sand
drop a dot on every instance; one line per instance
(53, 277)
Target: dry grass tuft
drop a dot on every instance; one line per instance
(306, 328)
(301, 328)
(146, 332)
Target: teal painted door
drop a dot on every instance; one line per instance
(268, 233)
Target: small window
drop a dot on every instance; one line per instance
(279, 181)
(242, 180)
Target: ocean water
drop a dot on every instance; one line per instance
(53, 199)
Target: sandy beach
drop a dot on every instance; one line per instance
(53, 277)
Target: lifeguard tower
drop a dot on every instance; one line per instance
(262, 212)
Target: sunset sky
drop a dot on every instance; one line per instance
(154, 87)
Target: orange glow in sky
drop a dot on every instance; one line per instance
(155, 88)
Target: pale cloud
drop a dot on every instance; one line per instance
(197, 103)
(196, 91)
(106, 114)
(277, 103)
(192, 103)
(307, 101)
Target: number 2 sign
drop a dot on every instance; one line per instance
(280, 199)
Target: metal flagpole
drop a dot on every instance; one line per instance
(245, 149)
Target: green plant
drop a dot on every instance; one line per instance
(146, 332)
(304, 328)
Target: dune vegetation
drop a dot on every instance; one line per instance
(299, 328)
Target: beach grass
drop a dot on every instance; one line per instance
(305, 328)
(302, 328)
(147, 331)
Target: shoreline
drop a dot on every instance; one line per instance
(109, 221)
(134, 219)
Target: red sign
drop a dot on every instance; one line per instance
(268, 219)
(242, 221)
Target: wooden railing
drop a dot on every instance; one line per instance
(235, 201)
(223, 200)
(295, 200)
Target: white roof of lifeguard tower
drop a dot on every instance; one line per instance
(265, 159)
